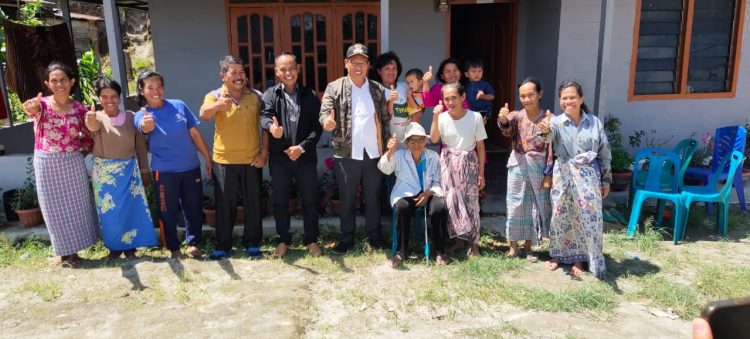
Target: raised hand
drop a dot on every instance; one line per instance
(427, 75)
(394, 95)
(329, 123)
(91, 114)
(224, 104)
(33, 105)
(147, 122)
(502, 117)
(276, 130)
(438, 109)
(545, 123)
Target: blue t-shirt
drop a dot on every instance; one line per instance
(172, 149)
(481, 106)
(420, 171)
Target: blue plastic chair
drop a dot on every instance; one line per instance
(710, 194)
(728, 139)
(684, 150)
(653, 188)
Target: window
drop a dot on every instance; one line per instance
(686, 49)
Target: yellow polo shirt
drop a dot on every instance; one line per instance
(236, 137)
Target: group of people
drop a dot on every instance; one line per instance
(558, 170)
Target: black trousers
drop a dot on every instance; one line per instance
(405, 209)
(230, 180)
(177, 190)
(349, 174)
(304, 176)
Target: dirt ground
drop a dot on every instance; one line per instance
(337, 297)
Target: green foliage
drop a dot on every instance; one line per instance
(16, 108)
(621, 159)
(30, 14)
(88, 70)
(26, 197)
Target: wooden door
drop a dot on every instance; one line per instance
(356, 25)
(256, 39)
(308, 36)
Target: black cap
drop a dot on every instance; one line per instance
(357, 49)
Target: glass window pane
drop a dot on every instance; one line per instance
(310, 72)
(372, 50)
(658, 47)
(308, 18)
(255, 32)
(322, 79)
(270, 78)
(257, 71)
(372, 27)
(242, 29)
(322, 56)
(244, 55)
(297, 51)
(296, 29)
(269, 55)
(267, 29)
(359, 26)
(320, 28)
(346, 46)
(346, 24)
(711, 46)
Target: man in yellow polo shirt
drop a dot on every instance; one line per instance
(240, 152)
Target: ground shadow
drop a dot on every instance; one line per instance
(293, 255)
(178, 269)
(129, 271)
(627, 268)
(227, 266)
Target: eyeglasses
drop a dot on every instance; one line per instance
(358, 64)
(419, 141)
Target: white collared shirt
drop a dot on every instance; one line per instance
(364, 128)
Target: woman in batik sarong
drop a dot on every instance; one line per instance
(61, 142)
(529, 170)
(119, 173)
(461, 163)
(580, 181)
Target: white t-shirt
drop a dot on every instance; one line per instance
(364, 128)
(400, 114)
(464, 133)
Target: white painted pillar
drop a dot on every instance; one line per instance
(114, 42)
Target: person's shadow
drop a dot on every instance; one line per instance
(178, 269)
(227, 266)
(129, 271)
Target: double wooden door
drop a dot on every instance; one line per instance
(317, 35)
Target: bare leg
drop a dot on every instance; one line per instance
(513, 252)
(529, 254)
(553, 264)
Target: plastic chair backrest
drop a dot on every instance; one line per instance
(727, 140)
(657, 160)
(685, 150)
(733, 162)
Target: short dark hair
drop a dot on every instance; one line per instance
(139, 98)
(415, 71)
(473, 63)
(532, 80)
(59, 66)
(385, 59)
(445, 63)
(103, 82)
(229, 60)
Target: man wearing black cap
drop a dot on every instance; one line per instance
(354, 110)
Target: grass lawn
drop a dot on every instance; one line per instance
(359, 295)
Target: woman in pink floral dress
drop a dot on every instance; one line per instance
(61, 142)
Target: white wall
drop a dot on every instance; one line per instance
(538, 34)
(189, 38)
(669, 117)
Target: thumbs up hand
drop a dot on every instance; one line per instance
(392, 144)
(394, 95)
(503, 116)
(329, 123)
(427, 75)
(147, 122)
(33, 105)
(438, 109)
(224, 104)
(276, 130)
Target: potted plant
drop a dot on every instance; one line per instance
(621, 159)
(25, 203)
(329, 189)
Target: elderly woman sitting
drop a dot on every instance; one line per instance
(417, 184)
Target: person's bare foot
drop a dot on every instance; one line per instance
(194, 252)
(577, 269)
(396, 260)
(55, 261)
(513, 251)
(442, 259)
(553, 264)
(474, 252)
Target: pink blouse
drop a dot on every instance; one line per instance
(61, 133)
(432, 96)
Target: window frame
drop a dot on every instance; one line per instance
(684, 56)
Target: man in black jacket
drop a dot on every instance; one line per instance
(290, 115)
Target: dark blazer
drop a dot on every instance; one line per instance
(308, 125)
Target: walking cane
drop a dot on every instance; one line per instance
(424, 211)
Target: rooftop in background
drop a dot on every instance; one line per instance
(135, 4)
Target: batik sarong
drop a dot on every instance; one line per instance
(527, 202)
(65, 200)
(122, 206)
(459, 174)
(576, 227)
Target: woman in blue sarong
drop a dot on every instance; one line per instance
(119, 173)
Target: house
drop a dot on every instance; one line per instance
(677, 66)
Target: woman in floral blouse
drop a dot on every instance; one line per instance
(61, 142)
(119, 152)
